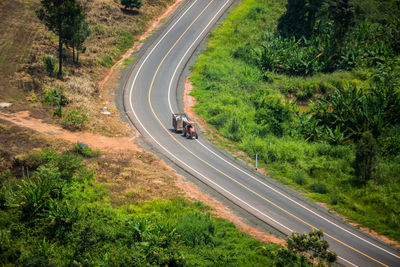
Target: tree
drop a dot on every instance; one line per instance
(342, 14)
(58, 16)
(300, 18)
(311, 246)
(132, 3)
(78, 33)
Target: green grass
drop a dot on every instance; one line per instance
(251, 108)
(124, 42)
(127, 62)
(106, 61)
(61, 217)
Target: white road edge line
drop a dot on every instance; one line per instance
(131, 105)
(172, 111)
(254, 178)
(299, 204)
(352, 264)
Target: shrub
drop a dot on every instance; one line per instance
(299, 178)
(85, 151)
(132, 3)
(336, 199)
(55, 97)
(75, 119)
(311, 246)
(319, 187)
(365, 163)
(196, 228)
(50, 64)
(32, 160)
(106, 61)
(389, 142)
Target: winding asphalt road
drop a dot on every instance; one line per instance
(150, 99)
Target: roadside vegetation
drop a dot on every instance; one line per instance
(55, 212)
(65, 205)
(312, 87)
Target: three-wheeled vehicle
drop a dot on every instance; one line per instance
(182, 123)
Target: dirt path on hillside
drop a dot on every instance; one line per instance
(124, 145)
(95, 141)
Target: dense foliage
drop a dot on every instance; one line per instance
(321, 116)
(58, 217)
(324, 36)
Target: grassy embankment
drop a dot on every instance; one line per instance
(254, 86)
(77, 207)
(62, 215)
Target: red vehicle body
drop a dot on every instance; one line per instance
(189, 130)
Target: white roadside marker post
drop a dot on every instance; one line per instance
(105, 112)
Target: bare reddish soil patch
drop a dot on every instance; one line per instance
(95, 141)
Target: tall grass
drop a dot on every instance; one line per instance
(263, 110)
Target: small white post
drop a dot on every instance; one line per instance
(256, 161)
(105, 112)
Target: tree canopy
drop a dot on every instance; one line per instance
(132, 3)
(64, 18)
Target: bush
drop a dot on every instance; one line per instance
(106, 61)
(300, 178)
(365, 163)
(311, 246)
(389, 142)
(55, 97)
(196, 229)
(50, 64)
(336, 199)
(75, 119)
(85, 151)
(319, 187)
(132, 3)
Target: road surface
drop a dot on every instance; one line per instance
(149, 100)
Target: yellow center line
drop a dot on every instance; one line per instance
(221, 172)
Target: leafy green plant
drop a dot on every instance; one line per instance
(50, 63)
(365, 163)
(196, 229)
(319, 187)
(85, 150)
(75, 119)
(311, 246)
(300, 178)
(55, 97)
